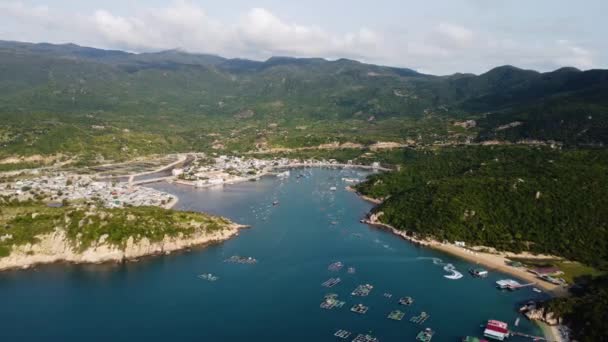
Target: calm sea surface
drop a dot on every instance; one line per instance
(162, 299)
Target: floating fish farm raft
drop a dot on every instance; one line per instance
(360, 309)
(365, 338)
(420, 318)
(331, 301)
(406, 301)
(387, 295)
(425, 335)
(331, 282)
(336, 266)
(235, 259)
(343, 334)
(396, 315)
(363, 290)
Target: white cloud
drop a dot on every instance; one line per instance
(454, 36)
(574, 55)
(438, 46)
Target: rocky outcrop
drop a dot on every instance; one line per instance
(55, 247)
(538, 313)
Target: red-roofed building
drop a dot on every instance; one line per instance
(496, 330)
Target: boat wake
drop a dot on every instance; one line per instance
(454, 274)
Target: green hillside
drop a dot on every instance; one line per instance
(512, 198)
(98, 103)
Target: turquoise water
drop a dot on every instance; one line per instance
(161, 298)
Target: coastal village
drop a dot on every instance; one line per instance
(120, 190)
(64, 188)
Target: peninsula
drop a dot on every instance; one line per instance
(34, 233)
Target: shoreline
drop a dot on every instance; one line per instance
(55, 248)
(551, 332)
(174, 200)
(495, 262)
(271, 171)
(490, 261)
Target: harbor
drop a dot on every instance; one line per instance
(293, 245)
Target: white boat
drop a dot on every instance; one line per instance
(333, 188)
(455, 276)
(208, 276)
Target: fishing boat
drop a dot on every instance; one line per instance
(235, 259)
(406, 301)
(333, 188)
(275, 203)
(425, 335)
(336, 266)
(208, 276)
(478, 272)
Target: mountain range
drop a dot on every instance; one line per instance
(69, 98)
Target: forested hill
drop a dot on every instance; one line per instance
(173, 100)
(512, 198)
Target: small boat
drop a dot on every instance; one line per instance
(336, 266)
(425, 335)
(406, 301)
(275, 203)
(536, 290)
(478, 272)
(333, 188)
(208, 276)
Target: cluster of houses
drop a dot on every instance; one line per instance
(232, 169)
(64, 187)
(225, 169)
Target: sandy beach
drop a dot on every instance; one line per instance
(551, 332)
(491, 261)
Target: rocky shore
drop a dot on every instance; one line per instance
(56, 247)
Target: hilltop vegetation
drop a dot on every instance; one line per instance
(23, 222)
(511, 198)
(112, 104)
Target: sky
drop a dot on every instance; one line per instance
(431, 36)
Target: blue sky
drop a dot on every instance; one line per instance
(439, 37)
